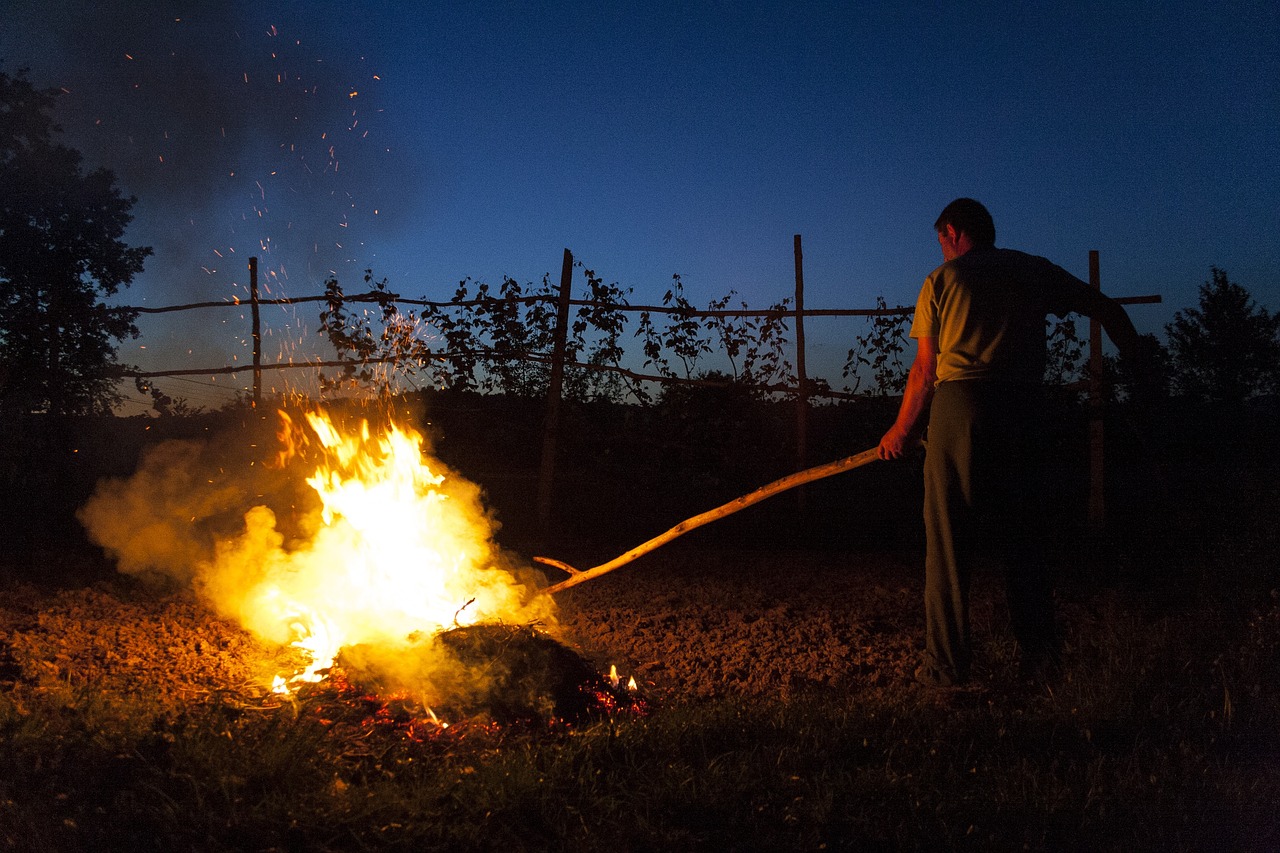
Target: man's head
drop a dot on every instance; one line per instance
(962, 225)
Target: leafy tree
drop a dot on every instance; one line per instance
(509, 330)
(457, 329)
(683, 335)
(755, 346)
(1064, 351)
(597, 330)
(1141, 377)
(1228, 349)
(374, 356)
(61, 252)
(881, 349)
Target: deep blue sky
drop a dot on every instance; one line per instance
(434, 142)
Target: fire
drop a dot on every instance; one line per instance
(615, 680)
(399, 548)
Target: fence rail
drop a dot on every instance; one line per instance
(803, 390)
(378, 297)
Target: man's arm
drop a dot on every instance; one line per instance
(904, 436)
(1114, 319)
(1140, 355)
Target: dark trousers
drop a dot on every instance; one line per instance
(983, 480)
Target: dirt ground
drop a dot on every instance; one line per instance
(123, 640)
(704, 623)
(688, 623)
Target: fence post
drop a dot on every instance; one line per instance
(551, 426)
(802, 377)
(257, 332)
(1097, 478)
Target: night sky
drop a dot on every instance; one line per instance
(435, 142)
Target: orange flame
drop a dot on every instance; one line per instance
(399, 546)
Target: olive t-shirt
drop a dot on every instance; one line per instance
(987, 308)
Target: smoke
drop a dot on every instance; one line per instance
(242, 129)
(240, 521)
(156, 522)
(165, 522)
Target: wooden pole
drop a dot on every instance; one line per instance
(1097, 478)
(555, 386)
(577, 576)
(257, 332)
(802, 376)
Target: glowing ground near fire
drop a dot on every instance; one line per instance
(385, 546)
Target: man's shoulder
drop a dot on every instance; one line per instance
(1004, 263)
(998, 255)
(995, 263)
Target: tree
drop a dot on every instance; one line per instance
(881, 349)
(1228, 349)
(61, 252)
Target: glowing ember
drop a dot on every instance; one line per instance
(397, 548)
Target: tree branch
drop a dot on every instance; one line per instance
(577, 576)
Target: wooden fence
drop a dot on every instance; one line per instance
(804, 389)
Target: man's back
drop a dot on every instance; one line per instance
(987, 308)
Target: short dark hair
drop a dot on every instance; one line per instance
(968, 217)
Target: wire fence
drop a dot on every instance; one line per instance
(487, 336)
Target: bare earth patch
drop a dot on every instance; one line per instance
(171, 649)
(688, 624)
(708, 623)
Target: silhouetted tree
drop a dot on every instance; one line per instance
(60, 253)
(1142, 376)
(1228, 349)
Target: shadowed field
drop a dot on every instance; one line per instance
(772, 652)
(780, 715)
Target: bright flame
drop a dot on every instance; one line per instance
(615, 679)
(398, 548)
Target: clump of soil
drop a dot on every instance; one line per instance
(506, 674)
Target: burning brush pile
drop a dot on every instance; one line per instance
(370, 561)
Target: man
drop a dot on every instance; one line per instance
(979, 328)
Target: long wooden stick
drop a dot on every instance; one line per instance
(577, 576)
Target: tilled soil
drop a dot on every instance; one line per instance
(688, 624)
(120, 640)
(707, 623)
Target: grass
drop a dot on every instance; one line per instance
(1161, 735)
